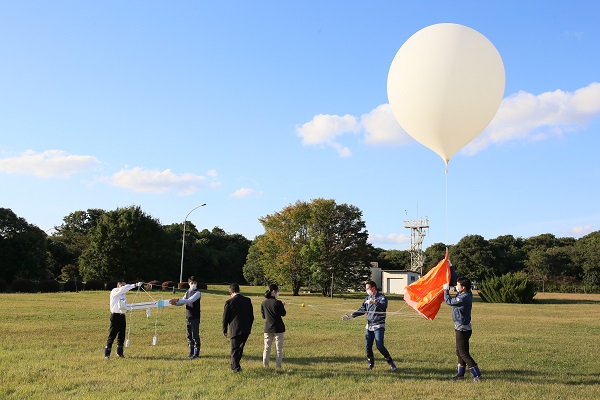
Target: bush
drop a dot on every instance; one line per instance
(49, 286)
(168, 285)
(94, 284)
(22, 285)
(73, 286)
(508, 288)
(154, 285)
(70, 272)
(2, 286)
(111, 285)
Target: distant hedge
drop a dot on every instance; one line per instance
(2, 286)
(73, 286)
(49, 286)
(94, 284)
(508, 288)
(22, 286)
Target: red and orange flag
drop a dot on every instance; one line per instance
(426, 295)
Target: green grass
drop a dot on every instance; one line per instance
(52, 347)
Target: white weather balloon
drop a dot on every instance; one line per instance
(445, 85)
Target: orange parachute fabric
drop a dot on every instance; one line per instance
(426, 295)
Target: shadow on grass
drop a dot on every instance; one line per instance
(354, 367)
(564, 301)
(294, 367)
(529, 376)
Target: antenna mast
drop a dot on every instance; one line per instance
(418, 230)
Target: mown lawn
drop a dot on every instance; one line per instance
(52, 347)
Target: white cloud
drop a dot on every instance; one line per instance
(380, 127)
(389, 239)
(246, 192)
(324, 129)
(153, 181)
(579, 231)
(527, 117)
(522, 116)
(48, 164)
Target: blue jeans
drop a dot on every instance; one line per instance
(377, 337)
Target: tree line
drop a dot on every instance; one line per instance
(554, 264)
(319, 245)
(125, 243)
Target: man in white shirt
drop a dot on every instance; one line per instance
(118, 308)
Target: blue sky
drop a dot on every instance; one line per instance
(168, 105)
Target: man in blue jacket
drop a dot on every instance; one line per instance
(375, 306)
(461, 305)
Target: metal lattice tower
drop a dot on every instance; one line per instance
(418, 230)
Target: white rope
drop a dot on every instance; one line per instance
(129, 324)
(127, 342)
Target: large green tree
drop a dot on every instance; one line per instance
(436, 253)
(285, 238)
(588, 257)
(71, 238)
(125, 243)
(473, 258)
(22, 248)
(393, 259)
(337, 253)
(253, 269)
(320, 243)
(508, 253)
(218, 256)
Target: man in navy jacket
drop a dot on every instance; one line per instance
(375, 306)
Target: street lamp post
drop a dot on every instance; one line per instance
(183, 240)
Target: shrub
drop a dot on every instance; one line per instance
(70, 272)
(154, 285)
(508, 288)
(22, 285)
(94, 284)
(2, 286)
(168, 285)
(49, 286)
(73, 286)
(111, 285)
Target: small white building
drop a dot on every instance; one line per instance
(392, 281)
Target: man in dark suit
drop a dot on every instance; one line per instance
(238, 316)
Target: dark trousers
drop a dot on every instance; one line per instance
(116, 330)
(377, 337)
(237, 350)
(193, 332)
(462, 349)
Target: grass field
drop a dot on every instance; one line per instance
(52, 348)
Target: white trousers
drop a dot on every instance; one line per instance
(278, 348)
